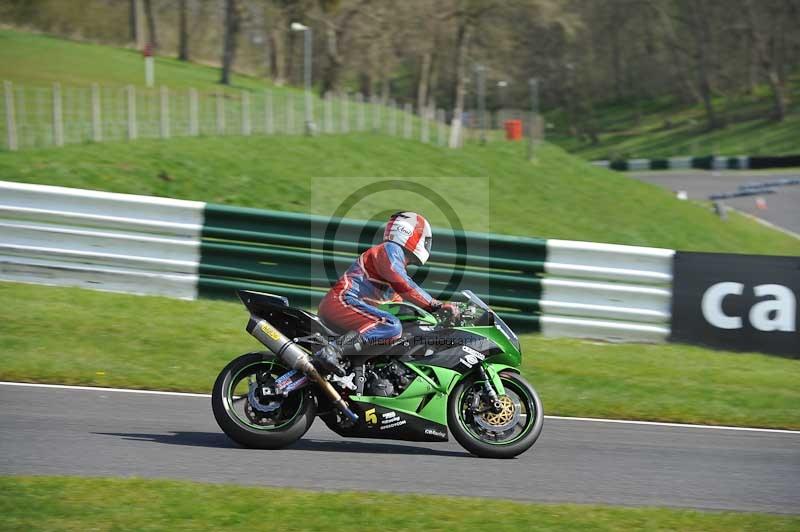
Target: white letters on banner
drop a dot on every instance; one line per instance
(777, 314)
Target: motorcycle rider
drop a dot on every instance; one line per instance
(377, 276)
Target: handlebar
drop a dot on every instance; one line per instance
(467, 313)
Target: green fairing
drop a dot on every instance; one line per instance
(423, 387)
(436, 390)
(510, 355)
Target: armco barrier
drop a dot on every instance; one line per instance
(709, 162)
(187, 249)
(117, 242)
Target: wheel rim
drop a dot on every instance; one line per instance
(239, 394)
(515, 420)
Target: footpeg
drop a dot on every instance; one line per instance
(345, 382)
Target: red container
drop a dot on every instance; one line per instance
(513, 129)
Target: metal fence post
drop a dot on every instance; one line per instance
(534, 88)
(193, 112)
(361, 121)
(97, 128)
(344, 103)
(408, 111)
(269, 121)
(328, 112)
(441, 133)
(246, 129)
(480, 72)
(425, 135)
(163, 112)
(392, 118)
(58, 118)
(132, 132)
(376, 116)
(220, 106)
(391, 122)
(11, 124)
(289, 112)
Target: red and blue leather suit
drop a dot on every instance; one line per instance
(377, 276)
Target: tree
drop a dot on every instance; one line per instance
(132, 28)
(467, 15)
(233, 21)
(183, 30)
(152, 37)
(762, 44)
(337, 20)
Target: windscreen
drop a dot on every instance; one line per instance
(498, 322)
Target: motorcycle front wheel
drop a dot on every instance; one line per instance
(254, 420)
(490, 434)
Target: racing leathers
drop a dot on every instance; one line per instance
(377, 276)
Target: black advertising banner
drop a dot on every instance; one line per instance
(737, 302)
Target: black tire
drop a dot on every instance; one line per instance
(246, 433)
(470, 439)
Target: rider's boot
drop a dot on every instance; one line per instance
(352, 343)
(330, 357)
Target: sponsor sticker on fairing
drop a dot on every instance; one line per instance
(434, 432)
(390, 420)
(472, 357)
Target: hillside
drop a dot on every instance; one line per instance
(558, 196)
(655, 128)
(40, 60)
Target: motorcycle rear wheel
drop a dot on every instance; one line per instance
(287, 421)
(503, 435)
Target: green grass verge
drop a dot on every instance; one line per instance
(63, 503)
(75, 336)
(559, 196)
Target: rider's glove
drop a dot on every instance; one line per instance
(450, 310)
(453, 310)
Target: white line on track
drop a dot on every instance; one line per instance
(678, 425)
(99, 389)
(561, 418)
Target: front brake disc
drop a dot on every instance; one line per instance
(503, 420)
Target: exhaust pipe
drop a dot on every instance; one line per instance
(296, 357)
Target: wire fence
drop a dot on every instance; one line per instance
(36, 117)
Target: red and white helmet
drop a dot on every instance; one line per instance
(412, 231)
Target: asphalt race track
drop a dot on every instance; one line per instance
(783, 207)
(47, 431)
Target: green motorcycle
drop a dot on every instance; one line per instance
(443, 373)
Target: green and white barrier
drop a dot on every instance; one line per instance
(188, 249)
(710, 162)
(100, 240)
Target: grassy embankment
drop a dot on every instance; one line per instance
(62, 503)
(33, 63)
(558, 197)
(39, 60)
